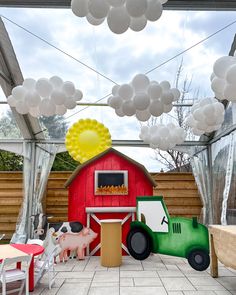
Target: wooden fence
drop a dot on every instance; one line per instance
(179, 191)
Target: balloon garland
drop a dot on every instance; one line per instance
(44, 97)
(143, 98)
(207, 115)
(161, 136)
(223, 78)
(86, 139)
(120, 14)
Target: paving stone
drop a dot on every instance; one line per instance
(147, 282)
(142, 291)
(177, 284)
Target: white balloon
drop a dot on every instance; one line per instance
(78, 95)
(204, 101)
(115, 102)
(154, 91)
(167, 97)
(47, 107)
(119, 112)
(165, 85)
(230, 92)
(43, 87)
(212, 76)
(168, 107)
(143, 115)
(94, 21)
(11, 101)
(116, 3)
(197, 131)
(69, 103)
(156, 139)
(231, 74)
(219, 96)
(198, 115)
(210, 121)
(19, 92)
(218, 85)
(144, 130)
(164, 131)
(34, 112)
(98, 8)
(164, 145)
(125, 91)
(79, 7)
(136, 8)
(115, 89)
(58, 97)
(118, 20)
(32, 99)
(208, 110)
(219, 109)
(154, 129)
(154, 10)
(69, 88)
(176, 93)
(190, 121)
(141, 101)
(56, 82)
(138, 23)
(195, 107)
(140, 82)
(60, 110)
(222, 64)
(156, 108)
(29, 84)
(21, 107)
(128, 108)
(201, 125)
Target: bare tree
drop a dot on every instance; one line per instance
(173, 159)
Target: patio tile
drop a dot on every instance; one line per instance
(105, 284)
(46, 291)
(142, 291)
(177, 284)
(211, 288)
(170, 273)
(175, 293)
(223, 293)
(138, 274)
(147, 282)
(199, 293)
(105, 276)
(104, 291)
(228, 282)
(203, 281)
(81, 281)
(126, 282)
(79, 274)
(73, 289)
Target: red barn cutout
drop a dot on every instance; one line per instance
(106, 187)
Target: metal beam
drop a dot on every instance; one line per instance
(10, 77)
(171, 4)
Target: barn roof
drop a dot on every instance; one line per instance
(80, 167)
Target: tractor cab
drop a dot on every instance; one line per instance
(155, 231)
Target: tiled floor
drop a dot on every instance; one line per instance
(159, 275)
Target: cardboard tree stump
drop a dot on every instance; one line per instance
(111, 251)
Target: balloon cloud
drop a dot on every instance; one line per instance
(143, 98)
(44, 97)
(120, 14)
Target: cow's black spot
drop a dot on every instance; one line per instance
(56, 226)
(64, 229)
(76, 226)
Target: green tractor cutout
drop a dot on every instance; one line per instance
(156, 232)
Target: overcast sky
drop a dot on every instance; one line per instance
(119, 57)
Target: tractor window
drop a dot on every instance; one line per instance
(154, 215)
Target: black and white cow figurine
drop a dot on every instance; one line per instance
(41, 225)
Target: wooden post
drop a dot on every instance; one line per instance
(214, 260)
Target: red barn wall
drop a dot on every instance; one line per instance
(81, 190)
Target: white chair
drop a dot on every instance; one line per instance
(15, 274)
(46, 265)
(2, 236)
(35, 242)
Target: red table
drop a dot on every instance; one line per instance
(29, 249)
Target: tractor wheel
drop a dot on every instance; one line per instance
(138, 243)
(199, 259)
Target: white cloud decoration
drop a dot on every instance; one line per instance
(223, 78)
(143, 98)
(163, 137)
(44, 97)
(207, 115)
(120, 14)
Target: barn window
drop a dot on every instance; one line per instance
(111, 182)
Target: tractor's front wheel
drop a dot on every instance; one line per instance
(199, 259)
(138, 243)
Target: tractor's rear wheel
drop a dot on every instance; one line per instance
(138, 243)
(199, 259)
